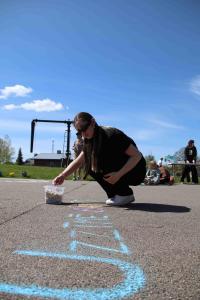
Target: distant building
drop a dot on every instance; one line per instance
(29, 161)
(50, 159)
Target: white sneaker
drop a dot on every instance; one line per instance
(120, 200)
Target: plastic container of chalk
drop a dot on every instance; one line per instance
(53, 194)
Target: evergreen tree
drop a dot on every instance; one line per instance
(19, 160)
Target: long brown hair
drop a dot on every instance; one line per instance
(91, 147)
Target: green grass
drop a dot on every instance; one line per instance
(33, 172)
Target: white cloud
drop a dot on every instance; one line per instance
(166, 124)
(42, 105)
(10, 106)
(37, 105)
(195, 85)
(15, 90)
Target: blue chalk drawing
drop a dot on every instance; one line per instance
(90, 209)
(66, 224)
(94, 223)
(100, 226)
(91, 222)
(92, 217)
(73, 246)
(72, 233)
(123, 248)
(134, 279)
(91, 233)
(117, 235)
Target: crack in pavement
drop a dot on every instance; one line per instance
(29, 210)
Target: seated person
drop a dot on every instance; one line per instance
(165, 176)
(153, 174)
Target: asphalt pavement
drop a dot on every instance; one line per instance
(83, 249)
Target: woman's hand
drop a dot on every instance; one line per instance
(58, 180)
(73, 166)
(112, 177)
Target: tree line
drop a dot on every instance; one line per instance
(7, 152)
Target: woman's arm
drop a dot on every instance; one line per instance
(134, 158)
(74, 165)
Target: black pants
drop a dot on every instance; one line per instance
(186, 173)
(121, 187)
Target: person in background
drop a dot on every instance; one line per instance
(110, 157)
(165, 177)
(78, 147)
(160, 162)
(153, 174)
(190, 153)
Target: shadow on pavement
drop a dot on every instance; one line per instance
(151, 207)
(155, 207)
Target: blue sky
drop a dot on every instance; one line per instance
(133, 64)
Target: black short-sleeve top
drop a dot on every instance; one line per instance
(112, 155)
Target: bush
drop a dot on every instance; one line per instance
(12, 174)
(24, 174)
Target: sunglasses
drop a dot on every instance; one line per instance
(84, 128)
